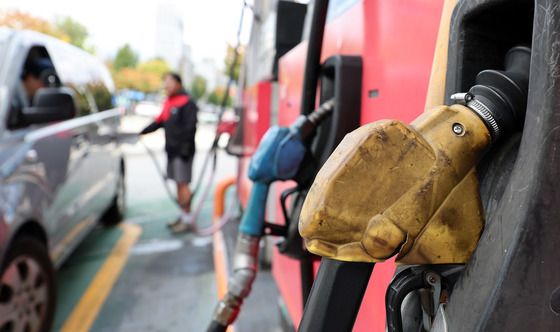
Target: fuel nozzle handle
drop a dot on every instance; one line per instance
(279, 156)
(499, 97)
(425, 208)
(305, 125)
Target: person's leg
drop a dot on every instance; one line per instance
(182, 176)
(185, 222)
(184, 195)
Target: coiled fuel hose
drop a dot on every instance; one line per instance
(206, 187)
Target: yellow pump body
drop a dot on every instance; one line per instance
(395, 189)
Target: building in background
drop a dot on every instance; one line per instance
(260, 51)
(186, 65)
(169, 41)
(214, 74)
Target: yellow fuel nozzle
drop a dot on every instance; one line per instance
(411, 190)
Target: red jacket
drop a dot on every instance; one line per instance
(178, 118)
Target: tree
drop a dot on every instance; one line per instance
(230, 55)
(21, 20)
(198, 87)
(216, 97)
(76, 32)
(125, 58)
(65, 28)
(133, 78)
(145, 77)
(155, 66)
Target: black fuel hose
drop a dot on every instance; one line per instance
(336, 296)
(206, 187)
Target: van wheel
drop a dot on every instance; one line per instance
(27, 288)
(115, 212)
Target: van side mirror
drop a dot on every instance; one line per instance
(49, 105)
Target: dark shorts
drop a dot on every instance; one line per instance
(179, 169)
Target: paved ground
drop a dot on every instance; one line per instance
(168, 282)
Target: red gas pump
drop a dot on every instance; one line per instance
(351, 51)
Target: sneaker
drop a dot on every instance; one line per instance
(182, 228)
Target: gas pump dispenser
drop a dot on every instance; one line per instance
(410, 191)
(293, 153)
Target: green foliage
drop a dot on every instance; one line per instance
(216, 97)
(230, 55)
(198, 87)
(213, 98)
(76, 32)
(145, 77)
(156, 66)
(133, 78)
(21, 20)
(126, 58)
(65, 28)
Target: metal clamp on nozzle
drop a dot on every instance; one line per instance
(468, 99)
(462, 98)
(486, 115)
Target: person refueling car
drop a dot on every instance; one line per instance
(178, 118)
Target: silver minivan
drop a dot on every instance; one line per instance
(61, 171)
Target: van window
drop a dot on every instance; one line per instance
(40, 67)
(38, 71)
(102, 96)
(73, 74)
(82, 101)
(86, 75)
